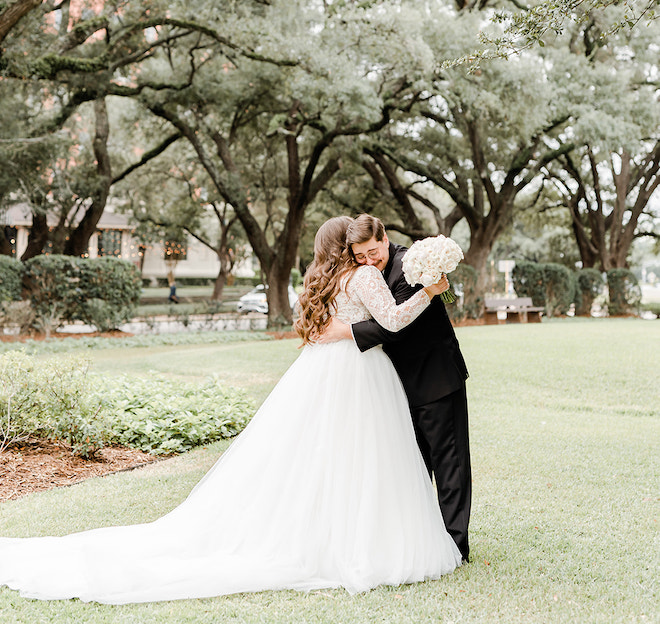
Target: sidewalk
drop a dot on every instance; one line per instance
(165, 324)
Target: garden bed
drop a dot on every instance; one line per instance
(39, 465)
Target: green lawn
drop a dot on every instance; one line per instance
(564, 431)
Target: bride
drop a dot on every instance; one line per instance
(324, 488)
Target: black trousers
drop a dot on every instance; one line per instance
(441, 428)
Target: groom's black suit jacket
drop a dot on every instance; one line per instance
(426, 354)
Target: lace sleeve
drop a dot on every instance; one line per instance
(369, 286)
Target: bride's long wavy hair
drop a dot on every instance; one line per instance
(323, 278)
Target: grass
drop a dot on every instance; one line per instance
(250, 366)
(564, 431)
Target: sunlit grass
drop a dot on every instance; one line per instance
(253, 366)
(564, 432)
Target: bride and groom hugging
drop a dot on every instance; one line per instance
(427, 358)
(326, 487)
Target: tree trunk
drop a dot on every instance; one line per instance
(482, 240)
(78, 242)
(588, 254)
(279, 310)
(37, 238)
(226, 265)
(279, 272)
(219, 285)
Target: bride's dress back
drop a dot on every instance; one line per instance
(349, 309)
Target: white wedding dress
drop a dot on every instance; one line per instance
(324, 488)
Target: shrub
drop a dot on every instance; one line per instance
(53, 287)
(625, 294)
(559, 288)
(528, 281)
(103, 292)
(111, 288)
(48, 399)
(11, 279)
(15, 398)
(11, 284)
(18, 314)
(589, 284)
(114, 281)
(101, 315)
(550, 285)
(70, 410)
(296, 278)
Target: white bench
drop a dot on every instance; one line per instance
(518, 310)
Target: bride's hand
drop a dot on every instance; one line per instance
(438, 288)
(335, 331)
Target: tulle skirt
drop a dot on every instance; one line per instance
(324, 488)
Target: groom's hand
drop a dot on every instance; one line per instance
(335, 331)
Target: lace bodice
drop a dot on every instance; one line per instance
(366, 295)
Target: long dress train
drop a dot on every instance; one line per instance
(324, 488)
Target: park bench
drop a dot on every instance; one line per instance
(519, 310)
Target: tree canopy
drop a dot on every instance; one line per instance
(275, 108)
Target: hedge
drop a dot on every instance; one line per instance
(589, 284)
(559, 288)
(11, 279)
(111, 290)
(528, 281)
(52, 285)
(625, 294)
(103, 292)
(555, 287)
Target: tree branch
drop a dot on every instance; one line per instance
(13, 14)
(147, 156)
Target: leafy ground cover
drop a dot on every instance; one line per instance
(564, 429)
(58, 398)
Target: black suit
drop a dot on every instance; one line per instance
(429, 362)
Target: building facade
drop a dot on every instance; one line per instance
(114, 237)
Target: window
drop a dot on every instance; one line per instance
(109, 243)
(174, 251)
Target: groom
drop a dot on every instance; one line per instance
(429, 362)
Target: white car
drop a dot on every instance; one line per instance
(255, 300)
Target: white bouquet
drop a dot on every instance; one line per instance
(428, 259)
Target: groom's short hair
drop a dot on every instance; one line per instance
(364, 228)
